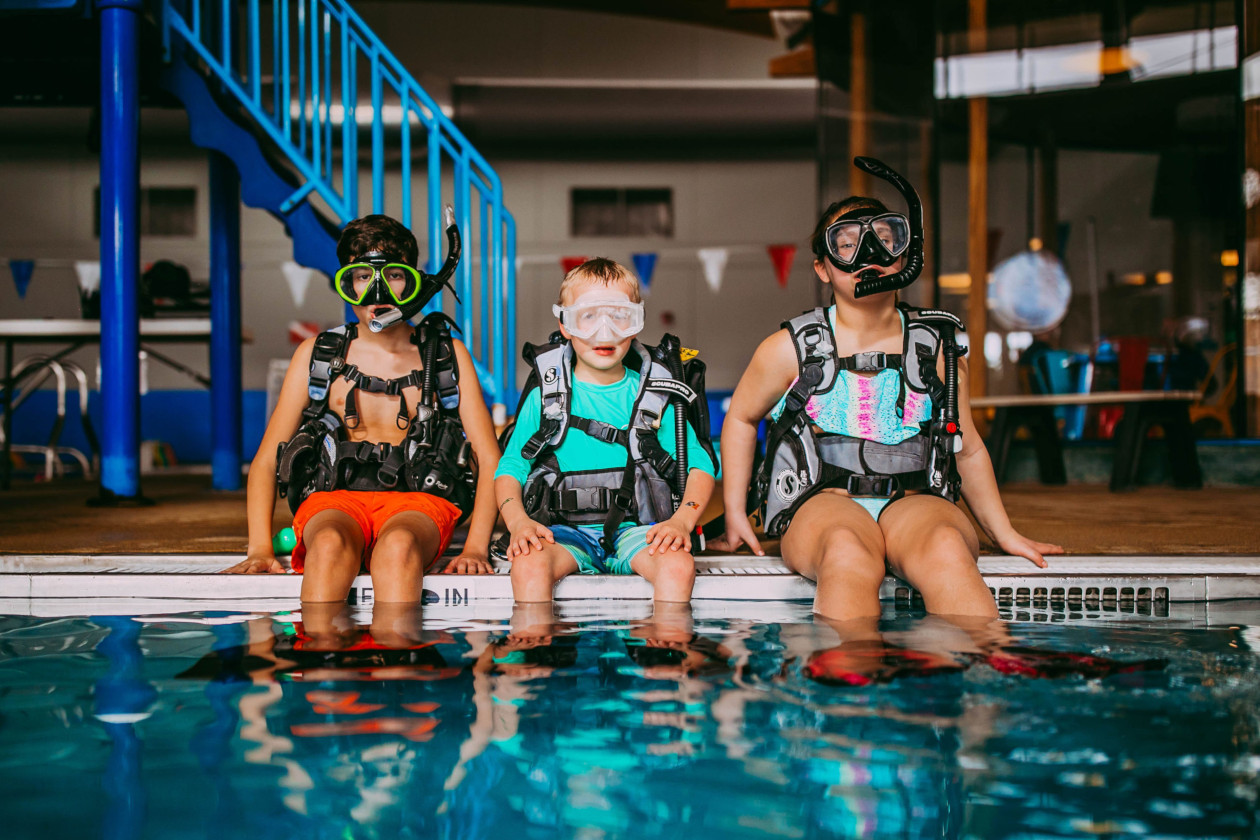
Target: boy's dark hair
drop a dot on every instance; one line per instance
(378, 233)
(817, 242)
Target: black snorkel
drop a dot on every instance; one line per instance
(430, 284)
(870, 281)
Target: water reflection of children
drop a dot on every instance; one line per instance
(367, 721)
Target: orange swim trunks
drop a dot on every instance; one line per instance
(371, 510)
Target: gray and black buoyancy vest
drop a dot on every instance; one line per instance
(650, 486)
(435, 457)
(802, 460)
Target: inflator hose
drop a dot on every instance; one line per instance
(680, 424)
(949, 349)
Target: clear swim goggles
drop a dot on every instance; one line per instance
(878, 240)
(601, 320)
(371, 281)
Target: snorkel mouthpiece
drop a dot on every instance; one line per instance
(870, 281)
(430, 284)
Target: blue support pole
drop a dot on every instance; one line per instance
(120, 250)
(225, 324)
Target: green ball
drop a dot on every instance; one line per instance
(284, 542)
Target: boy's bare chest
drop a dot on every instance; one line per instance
(381, 417)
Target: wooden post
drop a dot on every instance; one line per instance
(859, 104)
(978, 214)
(1247, 414)
(978, 241)
(1048, 190)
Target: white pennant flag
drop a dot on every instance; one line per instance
(299, 278)
(714, 260)
(89, 272)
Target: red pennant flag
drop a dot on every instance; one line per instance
(299, 331)
(570, 263)
(782, 256)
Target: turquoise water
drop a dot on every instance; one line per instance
(347, 725)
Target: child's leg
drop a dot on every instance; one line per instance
(395, 625)
(334, 543)
(932, 546)
(832, 540)
(328, 626)
(407, 543)
(534, 575)
(671, 573)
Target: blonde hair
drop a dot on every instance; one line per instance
(605, 272)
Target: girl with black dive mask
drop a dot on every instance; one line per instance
(872, 431)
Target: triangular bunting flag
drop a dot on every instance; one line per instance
(714, 260)
(299, 279)
(782, 256)
(22, 271)
(299, 331)
(570, 263)
(89, 272)
(644, 265)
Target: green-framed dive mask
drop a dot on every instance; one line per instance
(375, 281)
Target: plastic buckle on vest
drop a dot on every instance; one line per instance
(622, 500)
(584, 499)
(603, 431)
(872, 485)
(870, 360)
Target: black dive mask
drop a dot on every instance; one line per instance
(429, 284)
(857, 240)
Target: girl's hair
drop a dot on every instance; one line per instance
(818, 241)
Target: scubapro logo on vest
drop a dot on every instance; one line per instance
(787, 485)
(550, 377)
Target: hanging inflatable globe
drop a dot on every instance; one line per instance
(1030, 292)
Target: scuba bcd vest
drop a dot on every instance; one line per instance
(434, 458)
(649, 487)
(802, 460)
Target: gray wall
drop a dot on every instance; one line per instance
(47, 177)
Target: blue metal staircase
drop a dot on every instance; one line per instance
(279, 95)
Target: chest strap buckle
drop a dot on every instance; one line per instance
(872, 485)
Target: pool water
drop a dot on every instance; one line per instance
(341, 724)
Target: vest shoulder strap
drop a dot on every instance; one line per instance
(328, 358)
(552, 368)
(816, 362)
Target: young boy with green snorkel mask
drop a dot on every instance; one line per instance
(378, 434)
(599, 475)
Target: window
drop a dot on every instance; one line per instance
(611, 211)
(164, 211)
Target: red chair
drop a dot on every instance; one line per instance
(1132, 352)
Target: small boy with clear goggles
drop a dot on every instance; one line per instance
(601, 317)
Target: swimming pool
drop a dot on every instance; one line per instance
(607, 724)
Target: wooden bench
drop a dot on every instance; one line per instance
(1169, 410)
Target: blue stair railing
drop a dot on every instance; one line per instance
(299, 72)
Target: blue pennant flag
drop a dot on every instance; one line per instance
(644, 265)
(22, 271)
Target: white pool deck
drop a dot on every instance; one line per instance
(1068, 580)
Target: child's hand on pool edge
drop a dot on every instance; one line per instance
(1020, 546)
(256, 564)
